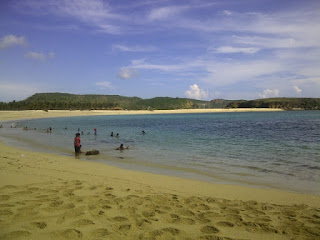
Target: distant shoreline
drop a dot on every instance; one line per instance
(30, 114)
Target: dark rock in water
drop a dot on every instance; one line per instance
(92, 152)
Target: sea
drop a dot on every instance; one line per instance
(275, 150)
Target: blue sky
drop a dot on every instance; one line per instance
(203, 49)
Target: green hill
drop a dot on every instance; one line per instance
(284, 103)
(66, 101)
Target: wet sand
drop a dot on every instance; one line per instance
(46, 196)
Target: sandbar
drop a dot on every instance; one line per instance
(29, 114)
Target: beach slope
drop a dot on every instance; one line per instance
(45, 196)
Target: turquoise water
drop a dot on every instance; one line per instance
(271, 149)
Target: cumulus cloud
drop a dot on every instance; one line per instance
(196, 92)
(128, 73)
(11, 40)
(268, 93)
(105, 84)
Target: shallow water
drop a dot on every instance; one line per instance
(266, 149)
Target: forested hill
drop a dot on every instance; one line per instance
(284, 103)
(66, 101)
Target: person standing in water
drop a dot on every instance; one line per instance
(122, 147)
(77, 144)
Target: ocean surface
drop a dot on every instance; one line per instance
(279, 150)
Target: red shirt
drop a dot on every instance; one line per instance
(77, 141)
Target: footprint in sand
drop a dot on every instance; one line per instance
(40, 225)
(106, 207)
(209, 229)
(5, 212)
(120, 219)
(4, 197)
(148, 214)
(125, 227)
(186, 213)
(17, 234)
(56, 203)
(72, 234)
(83, 222)
(164, 233)
(100, 232)
(188, 221)
(225, 224)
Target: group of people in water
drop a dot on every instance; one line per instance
(26, 128)
(77, 141)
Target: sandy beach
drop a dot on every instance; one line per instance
(47, 196)
(29, 114)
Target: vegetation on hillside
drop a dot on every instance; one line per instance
(284, 103)
(66, 101)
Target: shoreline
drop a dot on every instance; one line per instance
(173, 183)
(47, 196)
(30, 114)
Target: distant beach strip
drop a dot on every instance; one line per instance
(29, 114)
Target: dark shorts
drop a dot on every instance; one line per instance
(77, 149)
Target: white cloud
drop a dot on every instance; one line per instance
(96, 13)
(230, 49)
(52, 55)
(268, 42)
(297, 89)
(227, 12)
(164, 13)
(35, 56)
(39, 56)
(11, 40)
(141, 64)
(227, 73)
(104, 84)
(196, 93)
(128, 73)
(269, 93)
(125, 48)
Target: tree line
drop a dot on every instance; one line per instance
(66, 101)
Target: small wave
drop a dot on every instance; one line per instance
(309, 167)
